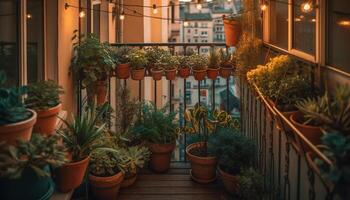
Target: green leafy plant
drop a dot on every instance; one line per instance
(138, 59)
(157, 57)
(213, 59)
(183, 61)
(135, 158)
(12, 108)
(106, 162)
(198, 62)
(122, 54)
(35, 154)
(172, 62)
(226, 59)
(155, 125)
(250, 185)
(43, 95)
(92, 61)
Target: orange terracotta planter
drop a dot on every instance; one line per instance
(100, 92)
(128, 181)
(203, 168)
(10, 133)
(212, 73)
(161, 156)
(106, 188)
(47, 119)
(184, 72)
(71, 175)
(312, 133)
(233, 32)
(230, 181)
(122, 71)
(225, 72)
(170, 74)
(157, 74)
(138, 74)
(199, 75)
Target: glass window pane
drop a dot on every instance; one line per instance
(279, 23)
(339, 34)
(9, 44)
(304, 25)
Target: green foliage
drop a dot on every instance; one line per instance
(43, 95)
(198, 62)
(81, 134)
(106, 162)
(92, 61)
(157, 57)
(184, 61)
(135, 158)
(213, 59)
(234, 150)
(37, 153)
(251, 185)
(226, 59)
(12, 108)
(122, 54)
(138, 59)
(155, 125)
(172, 62)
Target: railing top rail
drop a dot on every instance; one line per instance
(170, 44)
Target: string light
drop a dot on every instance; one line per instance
(29, 16)
(186, 24)
(122, 16)
(263, 6)
(199, 6)
(306, 7)
(344, 23)
(229, 0)
(81, 13)
(155, 10)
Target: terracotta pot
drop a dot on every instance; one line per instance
(71, 175)
(10, 133)
(122, 71)
(46, 120)
(212, 73)
(233, 32)
(312, 133)
(170, 74)
(161, 156)
(100, 92)
(184, 72)
(128, 181)
(225, 72)
(199, 75)
(230, 181)
(138, 74)
(106, 188)
(203, 168)
(157, 74)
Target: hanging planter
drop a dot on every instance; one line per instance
(138, 62)
(225, 72)
(123, 71)
(213, 64)
(170, 74)
(184, 72)
(199, 75)
(212, 73)
(233, 30)
(137, 74)
(157, 74)
(161, 156)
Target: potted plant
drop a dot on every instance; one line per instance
(198, 63)
(121, 56)
(92, 64)
(250, 185)
(25, 168)
(184, 67)
(235, 152)
(16, 121)
(157, 59)
(233, 29)
(171, 67)
(138, 62)
(106, 173)
(80, 137)
(159, 129)
(226, 63)
(44, 98)
(213, 64)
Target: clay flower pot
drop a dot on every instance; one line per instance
(233, 31)
(156, 74)
(312, 133)
(47, 119)
(203, 168)
(128, 181)
(230, 181)
(100, 92)
(71, 175)
(199, 75)
(10, 133)
(170, 74)
(138, 74)
(106, 188)
(184, 72)
(161, 155)
(225, 72)
(122, 71)
(212, 73)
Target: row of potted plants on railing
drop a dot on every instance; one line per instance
(322, 117)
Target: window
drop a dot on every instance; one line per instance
(189, 40)
(204, 50)
(195, 40)
(196, 24)
(339, 35)
(188, 97)
(204, 25)
(195, 31)
(204, 33)
(279, 23)
(188, 85)
(188, 30)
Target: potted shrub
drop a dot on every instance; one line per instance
(184, 67)
(80, 137)
(25, 168)
(92, 64)
(157, 59)
(198, 63)
(44, 98)
(235, 152)
(226, 63)
(16, 121)
(105, 173)
(250, 185)
(138, 62)
(159, 129)
(121, 56)
(213, 64)
(232, 28)
(171, 67)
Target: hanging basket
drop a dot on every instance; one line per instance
(233, 30)
(199, 75)
(137, 74)
(123, 71)
(184, 72)
(157, 74)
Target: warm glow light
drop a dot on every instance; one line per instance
(81, 14)
(29, 16)
(263, 7)
(155, 10)
(199, 6)
(306, 7)
(122, 16)
(186, 24)
(313, 20)
(344, 23)
(297, 19)
(229, 0)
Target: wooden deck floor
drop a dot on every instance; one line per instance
(175, 184)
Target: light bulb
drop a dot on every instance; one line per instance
(81, 14)
(186, 24)
(229, 0)
(155, 10)
(306, 7)
(29, 16)
(122, 16)
(263, 7)
(344, 23)
(199, 6)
